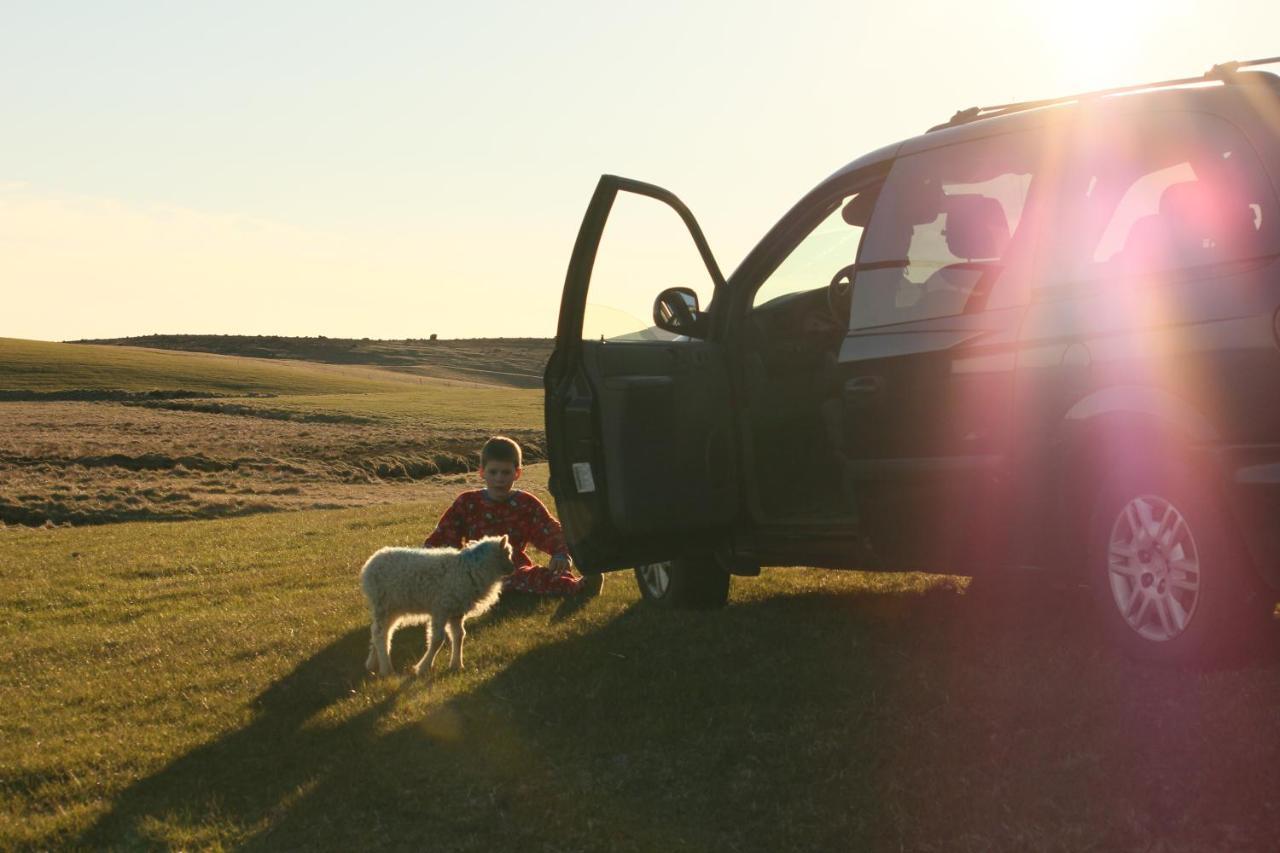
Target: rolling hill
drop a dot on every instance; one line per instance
(517, 362)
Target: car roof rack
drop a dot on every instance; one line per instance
(1223, 73)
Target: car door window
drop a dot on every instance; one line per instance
(645, 249)
(1175, 195)
(954, 219)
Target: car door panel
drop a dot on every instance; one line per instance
(664, 420)
(638, 430)
(927, 413)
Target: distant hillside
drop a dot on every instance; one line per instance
(517, 362)
(34, 370)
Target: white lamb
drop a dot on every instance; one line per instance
(439, 587)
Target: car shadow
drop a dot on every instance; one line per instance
(996, 718)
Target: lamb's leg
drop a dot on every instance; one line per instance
(380, 644)
(457, 634)
(435, 639)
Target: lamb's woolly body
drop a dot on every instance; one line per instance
(453, 583)
(439, 587)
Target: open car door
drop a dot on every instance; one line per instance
(639, 422)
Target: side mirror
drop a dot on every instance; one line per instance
(676, 311)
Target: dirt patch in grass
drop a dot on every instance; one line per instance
(100, 394)
(255, 411)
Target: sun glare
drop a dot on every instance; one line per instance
(1098, 44)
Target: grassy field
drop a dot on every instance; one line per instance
(314, 436)
(198, 684)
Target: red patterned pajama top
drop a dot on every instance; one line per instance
(525, 521)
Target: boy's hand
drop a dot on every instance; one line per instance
(560, 565)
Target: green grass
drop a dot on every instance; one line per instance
(294, 386)
(43, 366)
(516, 362)
(200, 685)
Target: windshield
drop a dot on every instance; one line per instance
(832, 244)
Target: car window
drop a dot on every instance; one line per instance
(829, 247)
(1175, 194)
(956, 219)
(645, 249)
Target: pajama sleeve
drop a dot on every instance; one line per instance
(449, 530)
(544, 531)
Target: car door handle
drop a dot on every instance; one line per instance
(862, 387)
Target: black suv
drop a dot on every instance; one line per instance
(1039, 336)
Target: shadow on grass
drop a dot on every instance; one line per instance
(244, 776)
(998, 719)
(246, 773)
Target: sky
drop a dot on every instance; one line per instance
(401, 169)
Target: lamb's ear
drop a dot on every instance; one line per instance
(506, 544)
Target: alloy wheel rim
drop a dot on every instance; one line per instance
(1154, 568)
(656, 577)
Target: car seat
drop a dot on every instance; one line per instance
(977, 230)
(1197, 223)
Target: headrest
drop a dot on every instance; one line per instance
(976, 227)
(858, 210)
(1202, 205)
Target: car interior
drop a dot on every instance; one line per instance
(792, 385)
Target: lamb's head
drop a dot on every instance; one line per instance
(492, 552)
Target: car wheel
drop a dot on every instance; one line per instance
(685, 583)
(1172, 583)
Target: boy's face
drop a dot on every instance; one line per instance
(499, 476)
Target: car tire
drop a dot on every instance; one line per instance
(1172, 582)
(686, 583)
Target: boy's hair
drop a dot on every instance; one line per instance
(501, 449)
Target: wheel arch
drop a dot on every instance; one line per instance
(1151, 407)
(1115, 428)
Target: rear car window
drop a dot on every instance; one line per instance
(1176, 194)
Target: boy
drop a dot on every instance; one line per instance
(497, 509)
